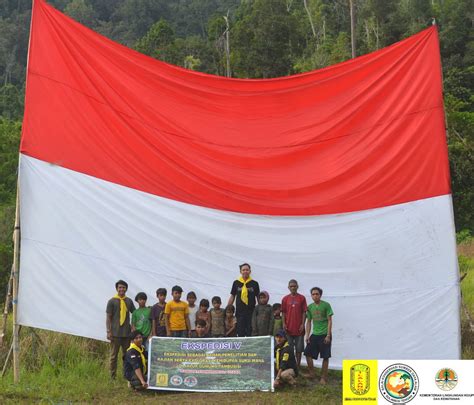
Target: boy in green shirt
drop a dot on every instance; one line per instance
(141, 318)
(319, 343)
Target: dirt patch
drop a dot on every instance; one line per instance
(466, 249)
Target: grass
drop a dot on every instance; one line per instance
(66, 387)
(80, 374)
(466, 266)
(466, 270)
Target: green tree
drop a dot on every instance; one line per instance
(159, 42)
(81, 11)
(11, 102)
(459, 106)
(216, 28)
(262, 40)
(133, 18)
(9, 145)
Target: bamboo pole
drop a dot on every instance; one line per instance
(8, 300)
(7, 359)
(16, 262)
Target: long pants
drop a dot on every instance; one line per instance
(135, 383)
(115, 344)
(288, 376)
(244, 324)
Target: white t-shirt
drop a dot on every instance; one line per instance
(192, 316)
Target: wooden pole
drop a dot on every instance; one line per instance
(5, 365)
(353, 35)
(16, 266)
(8, 300)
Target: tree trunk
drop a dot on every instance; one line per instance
(353, 39)
(309, 17)
(227, 45)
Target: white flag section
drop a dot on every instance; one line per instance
(389, 273)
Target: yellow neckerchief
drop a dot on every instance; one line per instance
(244, 294)
(123, 308)
(139, 350)
(278, 354)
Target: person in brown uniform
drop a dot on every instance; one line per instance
(117, 323)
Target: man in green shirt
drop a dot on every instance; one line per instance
(141, 318)
(319, 343)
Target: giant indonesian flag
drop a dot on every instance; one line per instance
(138, 170)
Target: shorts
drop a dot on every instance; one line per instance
(297, 342)
(317, 348)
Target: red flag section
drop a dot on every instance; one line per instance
(363, 134)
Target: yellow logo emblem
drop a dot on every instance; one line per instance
(360, 379)
(162, 380)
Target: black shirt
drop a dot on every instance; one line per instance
(131, 362)
(285, 358)
(253, 290)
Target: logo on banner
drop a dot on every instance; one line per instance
(176, 380)
(162, 380)
(446, 379)
(398, 384)
(360, 379)
(190, 381)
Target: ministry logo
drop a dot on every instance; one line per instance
(446, 379)
(398, 384)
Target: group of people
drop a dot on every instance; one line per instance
(297, 327)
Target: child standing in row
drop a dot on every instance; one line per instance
(217, 316)
(157, 314)
(203, 313)
(141, 318)
(277, 320)
(230, 322)
(191, 298)
(177, 315)
(262, 317)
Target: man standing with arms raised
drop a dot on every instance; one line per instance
(244, 291)
(117, 322)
